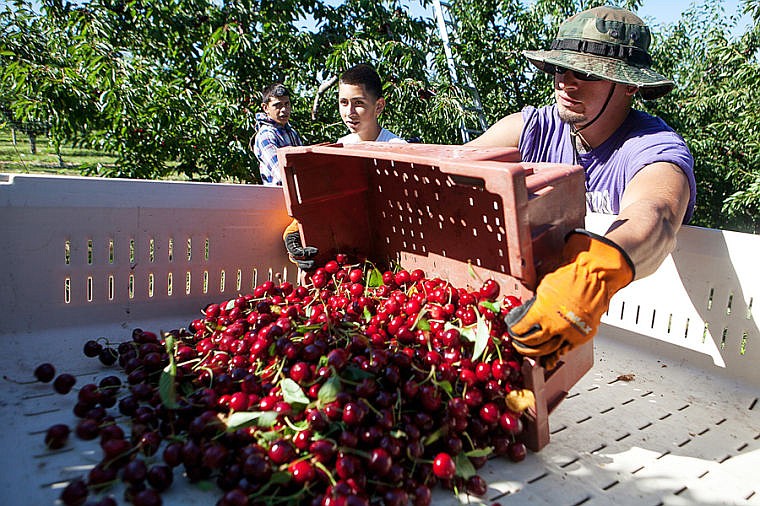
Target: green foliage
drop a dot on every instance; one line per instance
(172, 87)
(714, 108)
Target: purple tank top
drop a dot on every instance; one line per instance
(641, 140)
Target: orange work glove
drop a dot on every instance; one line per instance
(569, 302)
(299, 255)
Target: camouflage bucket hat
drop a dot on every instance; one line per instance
(607, 42)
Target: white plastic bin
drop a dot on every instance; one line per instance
(669, 414)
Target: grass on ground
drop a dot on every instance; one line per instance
(19, 158)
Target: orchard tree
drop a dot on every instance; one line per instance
(173, 87)
(714, 108)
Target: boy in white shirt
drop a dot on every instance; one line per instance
(360, 102)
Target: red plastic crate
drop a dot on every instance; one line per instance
(461, 213)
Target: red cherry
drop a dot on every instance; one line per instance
(510, 422)
(510, 302)
(239, 401)
(380, 461)
(281, 452)
(476, 486)
(516, 451)
(353, 413)
(444, 466)
(402, 277)
(356, 275)
(416, 275)
(490, 290)
(489, 413)
(302, 439)
(56, 436)
(347, 466)
(301, 471)
(44, 372)
(323, 450)
(300, 372)
(63, 383)
(483, 371)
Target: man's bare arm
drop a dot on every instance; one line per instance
(651, 213)
(503, 133)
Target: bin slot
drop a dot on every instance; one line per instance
(473, 182)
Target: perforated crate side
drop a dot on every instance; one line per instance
(453, 211)
(89, 250)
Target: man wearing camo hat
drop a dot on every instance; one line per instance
(636, 167)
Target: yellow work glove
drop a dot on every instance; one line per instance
(299, 254)
(570, 301)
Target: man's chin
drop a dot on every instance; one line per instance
(573, 118)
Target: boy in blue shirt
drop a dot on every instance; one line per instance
(274, 131)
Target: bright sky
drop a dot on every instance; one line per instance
(657, 12)
(668, 11)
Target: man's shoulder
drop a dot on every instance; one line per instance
(647, 128)
(544, 115)
(649, 139)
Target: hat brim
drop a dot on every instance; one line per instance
(651, 84)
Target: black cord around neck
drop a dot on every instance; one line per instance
(575, 132)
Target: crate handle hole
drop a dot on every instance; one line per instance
(467, 181)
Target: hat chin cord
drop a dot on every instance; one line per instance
(575, 132)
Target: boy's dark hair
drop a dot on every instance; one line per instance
(274, 90)
(366, 75)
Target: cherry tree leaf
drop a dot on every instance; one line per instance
(279, 477)
(206, 485)
(167, 387)
(465, 469)
(420, 322)
(482, 335)
(240, 419)
(329, 391)
(480, 452)
(493, 306)
(292, 392)
(468, 333)
(374, 278)
(446, 386)
(433, 437)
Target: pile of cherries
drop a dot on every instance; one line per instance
(357, 387)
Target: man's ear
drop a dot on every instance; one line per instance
(379, 106)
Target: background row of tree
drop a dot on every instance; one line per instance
(172, 86)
